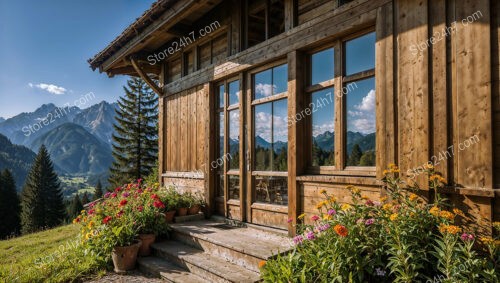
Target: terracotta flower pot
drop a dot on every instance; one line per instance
(124, 258)
(195, 209)
(182, 211)
(147, 241)
(169, 216)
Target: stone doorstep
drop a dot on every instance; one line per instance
(195, 217)
(167, 271)
(203, 264)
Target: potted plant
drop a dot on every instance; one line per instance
(151, 222)
(170, 198)
(196, 202)
(182, 205)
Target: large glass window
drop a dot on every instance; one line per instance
(342, 102)
(270, 135)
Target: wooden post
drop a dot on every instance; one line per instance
(296, 134)
(209, 149)
(290, 14)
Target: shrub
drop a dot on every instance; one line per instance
(400, 238)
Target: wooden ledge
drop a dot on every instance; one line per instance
(478, 192)
(348, 180)
(270, 207)
(184, 175)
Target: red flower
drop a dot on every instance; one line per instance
(158, 204)
(140, 208)
(91, 211)
(119, 214)
(154, 196)
(139, 191)
(123, 202)
(107, 219)
(118, 189)
(113, 195)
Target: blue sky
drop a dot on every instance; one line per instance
(44, 47)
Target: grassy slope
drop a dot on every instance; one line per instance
(48, 256)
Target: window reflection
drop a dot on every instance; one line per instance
(280, 79)
(273, 190)
(234, 92)
(220, 185)
(221, 96)
(234, 139)
(234, 187)
(360, 104)
(221, 134)
(280, 135)
(360, 54)
(263, 85)
(262, 136)
(322, 66)
(323, 129)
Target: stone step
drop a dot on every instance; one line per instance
(243, 246)
(167, 271)
(205, 265)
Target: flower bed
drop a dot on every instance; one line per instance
(399, 238)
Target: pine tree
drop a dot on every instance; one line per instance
(10, 208)
(98, 191)
(42, 199)
(75, 207)
(85, 198)
(135, 144)
(355, 156)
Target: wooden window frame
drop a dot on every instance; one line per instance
(340, 119)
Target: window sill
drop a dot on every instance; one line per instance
(233, 202)
(270, 207)
(354, 180)
(348, 171)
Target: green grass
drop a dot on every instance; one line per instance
(49, 256)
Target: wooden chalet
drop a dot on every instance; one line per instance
(264, 103)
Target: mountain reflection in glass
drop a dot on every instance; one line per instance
(234, 139)
(221, 135)
(360, 119)
(323, 128)
(262, 138)
(280, 135)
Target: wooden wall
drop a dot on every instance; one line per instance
(495, 62)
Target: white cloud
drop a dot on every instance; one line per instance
(264, 89)
(364, 126)
(368, 102)
(320, 129)
(263, 126)
(57, 90)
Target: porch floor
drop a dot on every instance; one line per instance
(213, 251)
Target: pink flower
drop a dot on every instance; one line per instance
(139, 191)
(310, 235)
(315, 218)
(118, 189)
(298, 239)
(467, 237)
(369, 203)
(332, 212)
(154, 196)
(377, 203)
(120, 213)
(125, 194)
(106, 195)
(290, 220)
(359, 221)
(91, 211)
(113, 195)
(140, 208)
(369, 222)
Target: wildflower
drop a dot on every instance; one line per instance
(467, 237)
(139, 191)
(290, 220)
(315, 218)
(297, 240)
(412, 197)
(438, 178)
(487, 240)
(434, 211)
(125, 194)
(158, 204)
(383, 199)
(345, 206)
(88, 235)
(327, 217)
(360, 220)
(310, 235)
(113, 195)
(392, 165)
(386, 172)
(139, 181)
(154, 196)
(380, 272)
(446, 215)
(393, 217)
(341, 230)
(450, 229)
(107, 219)
(387, 206)
(320, 204)
(369, 203)
(332, 199)
(369, 222)
(106, 195)
(331, 212)
(301, 216)
(118, 190)
(140, 208)
(91, 224)
(120, 213)
(377, 203)
(459, 212)
(262, 263)
(323, 227)
(123, 202)
(323, 191)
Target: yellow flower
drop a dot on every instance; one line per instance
(496, 225)
(327, 217)
(413, 197)
(434, 211)
(450, 229)
(387, 206)
(446, 215)
(429, 166)
(82, 212)
(88, 235)
(382, 199)
(364, 197)
(302, 216)
(323, 191)
(332, 199)
(385, 172)
(320, 204)
(392, 166)
(437, 177)
(91, 224)
(458, 212)
(393, 217)
(487, 240)
(345, 206)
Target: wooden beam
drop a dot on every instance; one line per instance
(291, 14)
(145, 77)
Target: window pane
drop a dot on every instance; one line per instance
(322, 66)
(280, 79)
(221, 96)
(360, 104)
(220, 185)
(263, 137)
(360, 54)
(323, 112)
(263, 85)
(234, 92)
(234, 139)
(234, 187)
(271, 190)
(221, 135)
(280, 135)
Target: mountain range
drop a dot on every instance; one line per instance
(78, 140)
(16, 158)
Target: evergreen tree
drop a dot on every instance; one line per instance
(98, 190)
(355, 156)
(368, 158)
(85, 198)
(10, 208)
(42, 199)
(75, 207)
(135, 144)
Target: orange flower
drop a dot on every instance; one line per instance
(446, 215)
(323, 191)
(458, 212)
(393, 216)
(450, 229)
(387, 206)
(341, 230)
(413, 197)
(434, 211)
(382, 199)
(262, 263)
